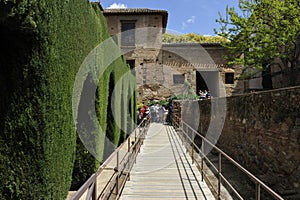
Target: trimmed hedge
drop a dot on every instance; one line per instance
(43, 44)
(127, 106)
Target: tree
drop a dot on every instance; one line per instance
(264, 33)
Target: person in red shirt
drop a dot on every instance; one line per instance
(143, 112)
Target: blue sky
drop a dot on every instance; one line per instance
(185, 16)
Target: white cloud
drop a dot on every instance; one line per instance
(117, 5)
(188, 22)
(191, 20)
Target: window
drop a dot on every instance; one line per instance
(178, 78)
(229, 78)
(128, 33)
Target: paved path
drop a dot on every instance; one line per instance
(163, 170)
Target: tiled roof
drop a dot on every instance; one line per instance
(138, 11)
(134, 10)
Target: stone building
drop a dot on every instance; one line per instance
(163, 70)
(138, 31)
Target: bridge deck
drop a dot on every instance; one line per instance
(163, 170)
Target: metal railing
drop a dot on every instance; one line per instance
(188, 134)
(112, 175)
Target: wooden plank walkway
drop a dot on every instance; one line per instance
(163, 170)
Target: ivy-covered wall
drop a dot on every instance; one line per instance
(43, 44)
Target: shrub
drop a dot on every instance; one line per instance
(43, 44)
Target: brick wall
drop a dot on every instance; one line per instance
(261, 132)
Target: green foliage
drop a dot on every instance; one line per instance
(139, 106)
(266, 32)
(43, 44)
(163, 102)
(192, 38)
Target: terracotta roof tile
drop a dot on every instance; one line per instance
(134, 10)
(138, 11)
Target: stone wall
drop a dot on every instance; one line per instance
(261, 132)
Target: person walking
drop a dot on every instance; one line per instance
(165, 113)
(156, 113)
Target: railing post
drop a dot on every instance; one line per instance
(186, 140)
(193, 136)
(202, 158)
(94, 196)
(128, 143)
(140, 137)
(117, 169)
(181, 134)
(129, 160)
(184, 137)
(219, 175)
(257, 191)
(135, 147)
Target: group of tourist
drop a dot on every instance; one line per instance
(157, 112)
(204, 94)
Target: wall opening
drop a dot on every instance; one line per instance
(131, 63)
(200, 83)
(229, 78)
(178, 79)
(208, 80)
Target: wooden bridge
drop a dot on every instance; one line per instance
(163, 170)
(160, 162)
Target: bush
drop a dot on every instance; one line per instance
(43, 44)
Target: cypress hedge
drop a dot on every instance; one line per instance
(43, 44)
